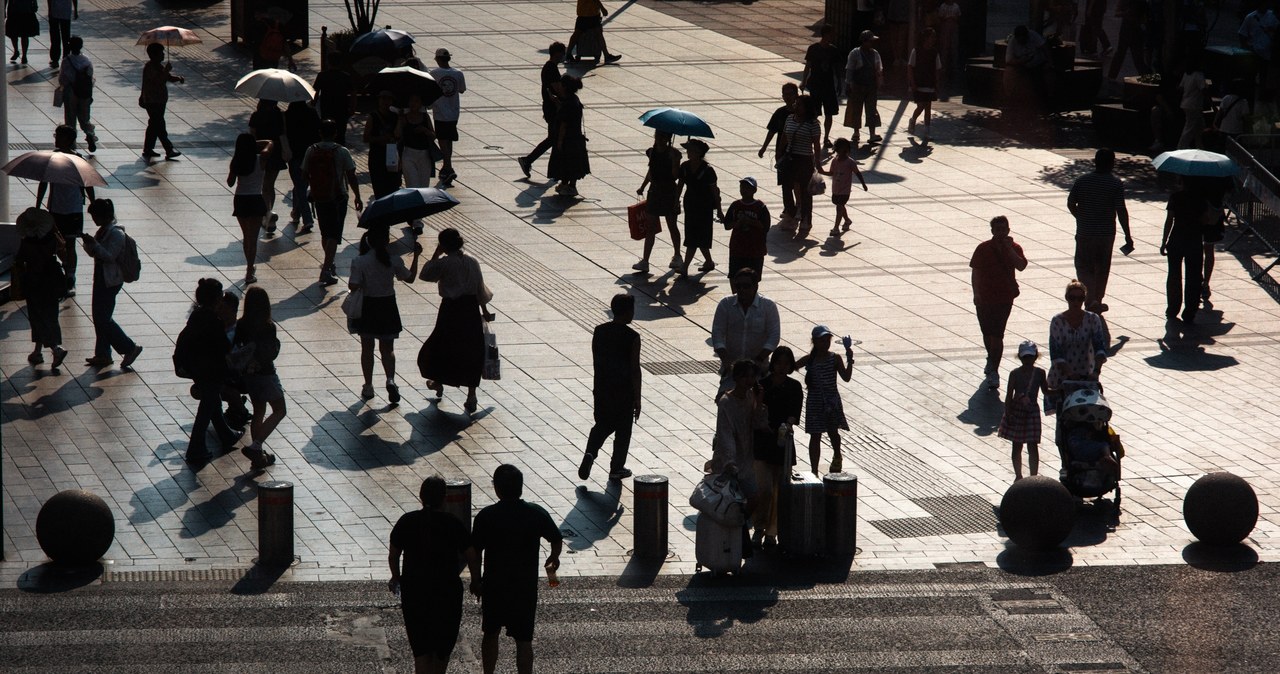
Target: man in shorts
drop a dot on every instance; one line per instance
(821, 62)
(994, 263)
(331, 213)
(445, 111)
(778, 124)
(508, 536)
(431, 541)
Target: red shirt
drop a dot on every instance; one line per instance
(993, 280)
(749, 234)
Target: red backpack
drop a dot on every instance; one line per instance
(322, 174)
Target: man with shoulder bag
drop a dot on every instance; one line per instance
(75, 79)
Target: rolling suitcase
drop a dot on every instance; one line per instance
(588, 46)
(718, 547)
(802, 514)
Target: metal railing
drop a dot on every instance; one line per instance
(1253, 154)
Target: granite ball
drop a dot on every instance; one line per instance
(75, 527)
(1037, 512)
(1220, 509)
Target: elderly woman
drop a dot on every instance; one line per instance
(1077, 340)
(454, 353)
(43, 282)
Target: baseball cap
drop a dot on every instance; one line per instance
(1028, 348)
(750, 181)
(821, 331)
(867, 35)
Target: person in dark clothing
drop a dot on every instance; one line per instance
(776, 127)
(774, 449)
(156, 76)
(1132, 40)
(430, 541)
(821, 63)
(508, 536)
(208, 368)
(267, 123)
(569, 159)
(301, 130)
(550, 106)
(42, 282)
(379, 133)
(1183, 244)
(615, 353)
(702, 206)
(334, 88)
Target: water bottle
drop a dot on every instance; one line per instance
(848, 342)
(552, 580)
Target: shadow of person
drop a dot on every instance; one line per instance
(154, 500)
(552, 207)
(1023, 562)
(1220, 558)
(915, 152)
(593, 516)
(201, 518)
(340, 440)
(984, 412)
(834, 245)
(531, 195)
(52, 577)
(75, 391)
(715, 605)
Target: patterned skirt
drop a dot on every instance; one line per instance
(1021, 422)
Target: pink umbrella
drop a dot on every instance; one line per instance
(61, 168)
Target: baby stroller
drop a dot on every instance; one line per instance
(1090, 448)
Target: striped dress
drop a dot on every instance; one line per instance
(823, 410)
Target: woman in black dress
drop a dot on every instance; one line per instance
(701, 199)
(663, 200)
(569, 160)
(454, 353)
(43, 282)
(775, 448)
(20, 25)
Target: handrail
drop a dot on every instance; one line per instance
(1259, 181)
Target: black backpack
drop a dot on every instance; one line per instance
(82, 85)
(184, 353)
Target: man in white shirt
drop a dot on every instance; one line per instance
(445, 111)
(1258, 29)
(745, 326)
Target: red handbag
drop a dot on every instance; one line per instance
(636, 219)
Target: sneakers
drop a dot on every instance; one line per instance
(612, 58)
(676, 262)
(584, 468)
(59, 355)
(171, 155)
(620, 474)
(98, 361)
(526, 166)
(131, 356)
(272, 219)
(328, 275)
(393, 393)
(993, 380)
(92, 143)
(707, 266)
(834, 233)
(641, 266)
(874, 138)
(367, 392)
(35, 358)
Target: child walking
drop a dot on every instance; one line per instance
(1021, 421)
(842, 169)
(824, 412)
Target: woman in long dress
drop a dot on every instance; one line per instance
(569, 161)
(454, 353)
(20, 25)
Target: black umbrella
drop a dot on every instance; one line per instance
(404, 81)
(405, 204)
(386, 42)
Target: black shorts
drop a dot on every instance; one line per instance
(585, 23)
(514, 610)
(922, 97)
(432, 616)
(829, 100)
(248, 206)
(839, 199)
(331, 216)
(992, 318)
(447, 130)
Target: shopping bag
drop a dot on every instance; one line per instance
(492, 362)
(817, 185)
(57, 97)
(636, 217)
(393, 159)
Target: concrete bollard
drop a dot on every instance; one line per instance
(841, 491)
(649, 517)
(275, 523)
(457, 500)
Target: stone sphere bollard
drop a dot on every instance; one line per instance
(75, 526)
(1220, 509)
(1037, 512)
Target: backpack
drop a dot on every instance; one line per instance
(184, 353)
(82, 85)
(130, 263)
(322, 174)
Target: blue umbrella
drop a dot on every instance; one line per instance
(1196, 163)
(405, 204)
(382, 42)
(677, 122)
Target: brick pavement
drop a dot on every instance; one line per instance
(923, 443)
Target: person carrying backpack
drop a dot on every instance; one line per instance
(76, 81)
(201, 355)
(330, 170)
(108, 248)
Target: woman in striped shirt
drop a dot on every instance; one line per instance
(803, 137)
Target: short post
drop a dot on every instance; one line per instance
(275, 523)
(324, 43)
(649, 516)
(841, 491)
(457, 500)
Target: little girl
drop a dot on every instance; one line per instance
(1021, 422)
(842, 169)
(824, 412)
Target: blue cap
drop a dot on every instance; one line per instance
(821, 331)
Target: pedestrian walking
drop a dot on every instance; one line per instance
(301, 131)
(1093, 34)
(417, 142)
(1077, 340)
(994, 264)
(237, 413)
(1192, 87)
(1132, 39)
(748, 220)
(248, 166)
(824, 411)
(589, 27)
(156, 76)
(924, 70)
(256, 333)
(430, 541)
(821, 64)
(21, 23)
(446, 110)
(949, 37)
(842, 170)
(106, 248)
(615, 357)
(75, 78)
(745, 327)
(335, 93)
(267, 123)
(41, 281)
(774, 448)
(663, 200)
(550, 78)
(1182, 242)
(776, 128)
(384, 152)
(863, 76)
(1021, 421)
(373, 274)
(508, 536)
(61, 13)
(1097, 201)
(330, 173)
(569, 159)
(701, 204)
(803, 156)
(66, 204)
(454, 353)
(201, 351)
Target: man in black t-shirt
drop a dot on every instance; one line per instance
(778, 124)
(508, 535)
(615, 352)
(430, 591)
(550, 105)
(820, 64)
(334, 88)
(1183, 244)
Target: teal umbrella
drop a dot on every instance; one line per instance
(677, 122)
(1199, 163)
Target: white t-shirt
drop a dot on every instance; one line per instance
(375, 278)
(1192, 86)
(452, 83)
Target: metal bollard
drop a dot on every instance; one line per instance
(275, 523)
(842, 513)
(649, 517)
(457, 500)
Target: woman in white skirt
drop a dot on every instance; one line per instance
(374, 273)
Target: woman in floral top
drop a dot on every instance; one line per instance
(1077, 340)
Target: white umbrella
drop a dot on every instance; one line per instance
(61, 168)
(273, 84)
(1196, 163)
